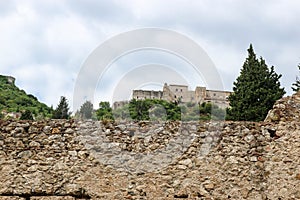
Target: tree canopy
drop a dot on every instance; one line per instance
(154, 108)
(27, 115)
(105, 111)
(255, 90)
(86, 110)
(62, 109)
(296, 85)
(158, 109)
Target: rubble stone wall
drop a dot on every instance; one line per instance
(64, 159)
(67, 159)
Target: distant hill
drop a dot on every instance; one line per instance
(13, 99)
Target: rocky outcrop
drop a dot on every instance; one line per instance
(69, 160)
(285, 109)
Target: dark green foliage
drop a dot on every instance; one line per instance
(156, 109)
(27, 115)
(12, 99)
(296, 85)
(205, 108)
(86, 110)
(157, 112)
(153, 108)
(190, 104)
(218, 113)
(105, 111)
(139, 109)
(211, 111)
(255, 90)
(122, 112)
(62, 109)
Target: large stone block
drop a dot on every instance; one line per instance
(52, 198)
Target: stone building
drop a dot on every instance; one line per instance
(181, 93)
(11, 79)
(147, 94)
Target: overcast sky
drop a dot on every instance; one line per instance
(45, 43)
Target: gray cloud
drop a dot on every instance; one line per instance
(101, 11)
(44, 43)
(6, 7)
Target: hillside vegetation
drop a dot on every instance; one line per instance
(13, 99)
(157, 109)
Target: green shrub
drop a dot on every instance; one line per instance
(27, 115)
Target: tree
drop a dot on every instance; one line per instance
(27, 115)
(86, 110)
(122, 112)
(62, 109)
(104, 112)
(139, 109)
(296, 85)
(255, 90)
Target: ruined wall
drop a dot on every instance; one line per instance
(181, 92)
(54, 160)
(146, 94)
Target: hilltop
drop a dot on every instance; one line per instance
(13, 99)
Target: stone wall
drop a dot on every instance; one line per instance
(41, 159)
(285, 109)
(54, 160)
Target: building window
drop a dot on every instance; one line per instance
(176, 90)
(214, 94)
(174, 96)
(180, 90)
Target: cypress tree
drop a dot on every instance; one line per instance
(62, 110)
(86, 110)
(255, 90)
(296, 85)
(27, 115)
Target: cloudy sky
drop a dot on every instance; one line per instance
(45, 44)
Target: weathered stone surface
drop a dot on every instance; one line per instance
(60, 159)
(285, 109)
(52, 198)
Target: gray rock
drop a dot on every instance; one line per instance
(25, 154)
(185, 162)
